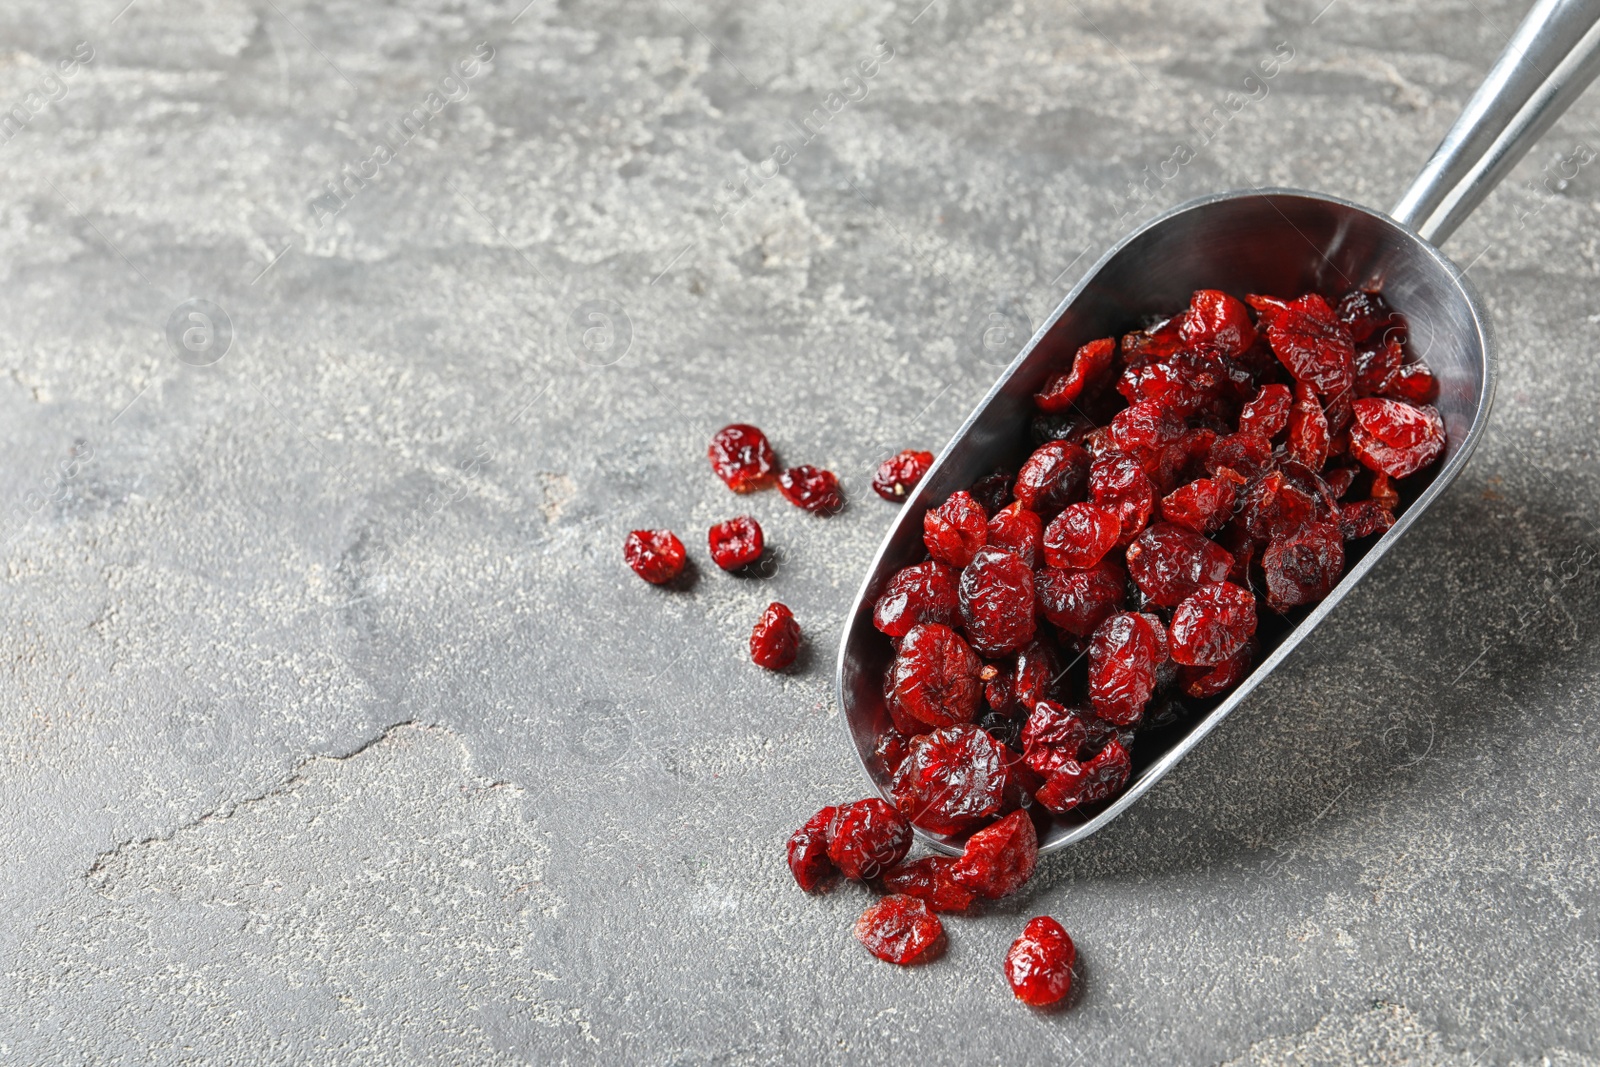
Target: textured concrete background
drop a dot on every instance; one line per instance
(333, 728)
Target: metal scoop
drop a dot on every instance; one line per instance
(1282, 242)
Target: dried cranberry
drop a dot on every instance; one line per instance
(1212, 625)
(1078, 601)
(934, 678)
(1340, 479)
(867, 838)
(955, 530)
(657, 556)
(1202, 682)
(1081, 536)
(993, 491)
(1025, 682)
(1124, 657)
(1119, 484)
(997, 601)
(922, 593)
(1363, 313)
(900, 473)
(1275, 507)
(742, 458)
(1376, 362)
(1413, 383)
(899, 929)
(1052, 477)
(736, 543)
(1053, 735)
(929, 879)
(1202, 506)
(1168, 562)
(1039, 963)
(890, 749)
(951, 780)
(808, 850)
(1074, 784)
(1000, 859)
(1314, 345)
(1162, 339)
(1145, 429)
(1018, 531)
(1089, 367)
(1395, 438)
(1268, 411)
(1267, 309)
(1183, 382)
(812, 489)
(1215, 318)
(1303, 568)
(1363, 519)
(775, 641)
(1384, 492)
(1308, 429)
(1246, 453)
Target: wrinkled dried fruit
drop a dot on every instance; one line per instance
(1215, 318)
(808, 851)
(1308, 429)
(1316, 347)
(736, 543)
(1039, 963)
(1119, 484)
(1016, 689)
(929, 879)
(1246, 454)
(657, 556)
(1267, 413)
(1202, 682)
(1078, 601)
(1202, 506)
(1363, 313)
(867, 838)
(934, 678)
(1124, 656)
(899, 929)
(1052, 477)
(1212, 625)
(955, 530)
(741, 457)
(1168, 562)
(1303, 568)
(993, 491)
(1363, 519)
(997, 601)
(1089, 368)
(1395, 438)
(890, 749)
(922, 593)
(999, 859)
(1053, 736)
(1075, 784)
(952, 780)
(775, 641)
(1018, 531)
(812, 489)
(900, 473)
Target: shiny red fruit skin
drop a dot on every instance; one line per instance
(1308, 429)
(1314, 345)
(1363, 313)
(1245, 454)
(1364, 518)
(775, 641)
(1268, 411)
(955, 530)
(1078, 601)
(1119, 484)
(1203, 505)
(1053, 736)
(1211, 626)
(930, 880)
(1215, 318)
(1202, 682)
(742, 458)
(867, 838)
(1394, 437)
(951, 780)
(1052, 477)
(1169, 562)
(922, 593)
(1018, 531)
(811, 489)
(934, 677)
(1039, 963)
(898, 929)
(657, 556)
(1124, 657)
(1081, 536)
(808, 851)
(1075, 784)
(999, 859)
(900, 473)
(1090, 367)
(997, 602)
(1304, 567)
(736, 543)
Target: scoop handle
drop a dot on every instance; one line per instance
(1550, 60)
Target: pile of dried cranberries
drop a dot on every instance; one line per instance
(1189, 478)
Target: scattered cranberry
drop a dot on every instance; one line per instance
(742, 458)
(1039, 963)
(955, 530)
(1303, 568)
(775, 641)
(900, 473)
(808, 851)
(1168, 562)
(657, 556)
(1053, 736)
(930, 880)
(923, 593)
(736, 543)
(998, 860)
(1215, 318)
(1203, 505)
(812, 489)
(1078, 601)
(1268, 412)
(899, 929)
(867, 838)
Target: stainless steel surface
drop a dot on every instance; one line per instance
(1551, 59)
(1276, 241)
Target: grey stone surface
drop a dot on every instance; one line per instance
(333, 728)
